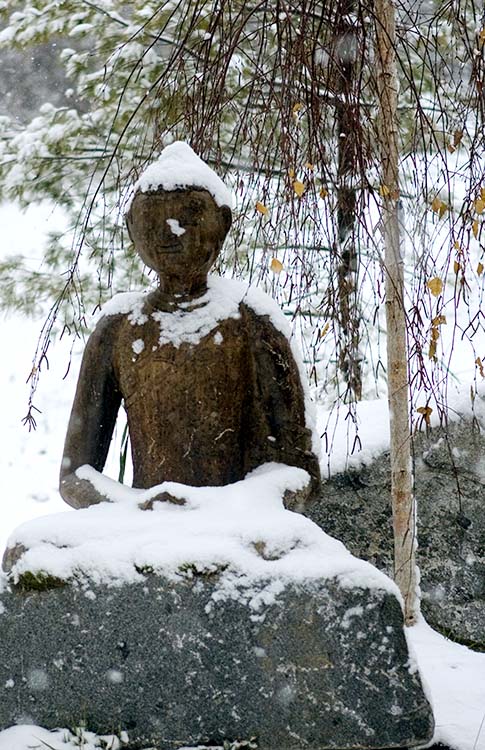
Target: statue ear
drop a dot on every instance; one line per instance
(128, 223)
(226, 214)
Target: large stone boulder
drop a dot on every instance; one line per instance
(317, 665)
(449, 463)
(222, 616)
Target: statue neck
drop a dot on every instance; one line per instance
(185, 287)
(173, 294)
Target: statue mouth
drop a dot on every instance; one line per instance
(175, 248)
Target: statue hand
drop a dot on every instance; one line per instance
(80, 493)
(162, 497)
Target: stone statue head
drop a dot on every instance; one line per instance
(179, 218)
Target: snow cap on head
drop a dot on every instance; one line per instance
(179, 167)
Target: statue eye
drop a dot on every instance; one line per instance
(189, 220)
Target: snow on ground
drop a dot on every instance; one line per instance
(454, 675)
(351, 441)
(455, 680)
(28, 459)
(36, 738)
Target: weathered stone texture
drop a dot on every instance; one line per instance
(355, 507)
(322, 667)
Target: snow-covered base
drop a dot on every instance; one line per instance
(227, 595)
(242, 529)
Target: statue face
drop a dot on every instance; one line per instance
(178, 233)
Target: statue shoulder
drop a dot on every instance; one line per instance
(130, 305)
(121, 309)
(262, 311)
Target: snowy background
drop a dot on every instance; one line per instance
(453, 675)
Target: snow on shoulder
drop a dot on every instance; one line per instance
(178, 166)
(190, 323)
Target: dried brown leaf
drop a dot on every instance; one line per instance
(262, 209)
(435, 286)
(276, 265)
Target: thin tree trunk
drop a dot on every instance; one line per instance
(348, 137)
(403, 505)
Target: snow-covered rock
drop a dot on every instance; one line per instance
(222, 616)
(209, 658)
(449, 462)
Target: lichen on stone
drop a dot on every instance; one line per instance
(28, 581)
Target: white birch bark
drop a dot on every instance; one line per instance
(403, 504)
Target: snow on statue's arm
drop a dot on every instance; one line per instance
(93, 416)
(277, 381)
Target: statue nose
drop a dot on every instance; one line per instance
(175, 228)
(167, 237)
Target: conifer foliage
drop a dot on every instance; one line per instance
(283, 102)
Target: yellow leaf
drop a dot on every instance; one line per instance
(475, 227)
(482, 194)
(456, 266)
(297, 107)
(432, 349)
(384, 191)
(261, 208)
(479, 206)
(456, 245)
(480, 269)
(481, 36)
(299, 188)
(323, 192)
(439, 320)
(435, 334)
(439, 206)
(426, 411)
(276, 265)
(324, 330)
(309, 166)
(291, 173)
(435, 286)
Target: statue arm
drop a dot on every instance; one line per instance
(93, 417)
(279, 392)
